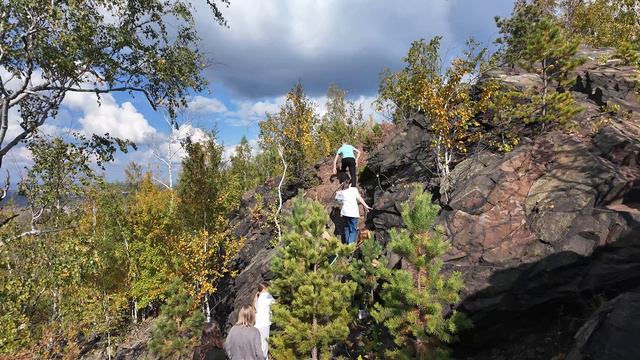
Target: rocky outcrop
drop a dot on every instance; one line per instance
(540, 234)
(253, 227)
(611, 332)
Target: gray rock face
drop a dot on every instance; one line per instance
(612, 332)
(553, 222)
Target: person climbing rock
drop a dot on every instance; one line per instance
(262, 303)
(350, 156)
(350, 212)
(243, 340)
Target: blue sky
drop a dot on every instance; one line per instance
(268, 46)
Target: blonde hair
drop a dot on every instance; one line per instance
(247, 316)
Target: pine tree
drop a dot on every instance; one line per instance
(312, 311)
(414, 300)
(535, 40)
(368, 270)
(177, 330)
(629, 53)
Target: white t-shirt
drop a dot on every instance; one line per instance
(263, 309)
(350, 203)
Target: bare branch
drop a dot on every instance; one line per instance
(4, 121)
(161, 182)
(23, 135)
(108, 90)
(34, 232)
(7, 220)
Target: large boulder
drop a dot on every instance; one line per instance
(611, 332)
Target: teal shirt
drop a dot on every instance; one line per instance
(346, 151)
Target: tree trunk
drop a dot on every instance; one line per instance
(134, 312)
(208, 307)
(284, 173)
(545, 84)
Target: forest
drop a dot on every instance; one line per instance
(87, 260)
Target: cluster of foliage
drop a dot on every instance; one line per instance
(443, 96)
(314, 302)
(343, 122)
(613, 23)
(304, 137)
(92, 257)
(293, 131)
(414, 300)
(317, 283)
(541, 37)
(535, 40)
(52, 48)
(177, 331)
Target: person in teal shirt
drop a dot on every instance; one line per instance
(350, 156)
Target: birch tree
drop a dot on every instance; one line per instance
(51, 48)
(442, 94)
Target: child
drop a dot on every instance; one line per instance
(350, 156)
(350, 212)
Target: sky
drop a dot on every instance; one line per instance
(267, 47)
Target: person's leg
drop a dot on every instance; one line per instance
(352, 172)
(351, 164)
(264, 337)
(345, 230)
(353, 230)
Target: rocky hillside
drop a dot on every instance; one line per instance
(547, 236)
(543, 235)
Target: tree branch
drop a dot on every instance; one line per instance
(34, 232)
(161, 182)
(7, 220)
(23, 135)
(108, 90)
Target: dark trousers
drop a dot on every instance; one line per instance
(351, 164)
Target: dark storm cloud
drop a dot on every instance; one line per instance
(272, 44)
(469, 18)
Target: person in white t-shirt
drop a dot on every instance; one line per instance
(262, 303)
(350, 212)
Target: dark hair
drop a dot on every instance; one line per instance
(263, 285)
(211, 339)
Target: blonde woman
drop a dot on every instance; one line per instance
(243, 341)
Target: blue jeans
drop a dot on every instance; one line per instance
(350, 234)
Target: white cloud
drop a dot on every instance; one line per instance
(123, 121)
(206, 105)
(230, 150)
(250, 112)
(269, 45)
